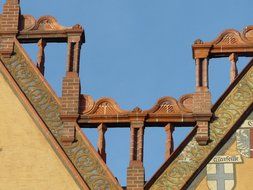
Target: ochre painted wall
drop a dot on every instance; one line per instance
(27, 161)
(244, 172)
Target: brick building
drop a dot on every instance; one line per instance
(43, 146)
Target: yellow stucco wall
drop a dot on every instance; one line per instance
(244, 172)
(27, 161)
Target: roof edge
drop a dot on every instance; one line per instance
(43, 128)
(189, 137)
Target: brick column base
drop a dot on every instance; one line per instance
(70, 94)
(135, 177)
(68, 133)
(202, 136)
(70, 106)
(202, 113)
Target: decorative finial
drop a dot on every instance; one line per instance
(77, 26)
(137, 110)
(198, 41)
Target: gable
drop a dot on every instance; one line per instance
(190, 158)
(27, 159)
(231, 167)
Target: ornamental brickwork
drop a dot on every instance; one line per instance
(65, 116)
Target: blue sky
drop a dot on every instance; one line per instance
(137, 51)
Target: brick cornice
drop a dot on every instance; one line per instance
(202, 116)
(9, 33)
(71, 118)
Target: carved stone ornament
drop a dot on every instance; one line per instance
(44, 23)
(229, 41)
(86, 103)
(186, 103)
(105, 106)
(28, 22)
(248, 33)
(48, 23)
(137, 110)
(229, 37)
(165, 105)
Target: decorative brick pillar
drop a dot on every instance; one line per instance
(169, 128)
(135, 171)
(198, 73)
(205, 74)
(70, 106)
(101, 141)
(9, 26)
(202, 113)
(202, 101)
(41, 56)
(74, 47)
(71, 91)
(233, 68)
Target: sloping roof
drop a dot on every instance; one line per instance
(43, 128)
(82, 159)
(190, 158)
